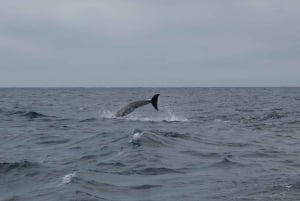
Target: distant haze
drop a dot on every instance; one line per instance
(167, 43)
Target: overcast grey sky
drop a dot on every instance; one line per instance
(53, 43)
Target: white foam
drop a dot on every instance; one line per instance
(158, 119)
(68, 178)
(136, 137)
(107, 114)
(165, 114)
(173, 117)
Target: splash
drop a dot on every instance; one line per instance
(161, 118)
(106, 114)
(172, 117)
(136, 137)
(165, 115)
(68, 178)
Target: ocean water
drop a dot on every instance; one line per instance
(203, 144)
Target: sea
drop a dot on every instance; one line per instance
(204, 144)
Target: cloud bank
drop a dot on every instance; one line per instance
(149, 43)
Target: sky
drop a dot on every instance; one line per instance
(157, 43)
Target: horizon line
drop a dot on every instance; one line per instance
(45, 87)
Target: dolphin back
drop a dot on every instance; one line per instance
(127, 109)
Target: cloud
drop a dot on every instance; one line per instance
(138, 43)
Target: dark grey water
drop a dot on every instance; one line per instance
(203, 144)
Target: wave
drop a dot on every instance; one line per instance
(82, 195)
(28, 114)
(158, 119)
(88, 120)
(243, 110)
(293, 122)
(201, 154)
(165, 116)
(107, 114)
(226, 162)
(145, 187)
(154, 137)
(49, 142)
(272, 115)
(9, 166)
(136, 138)
(150, 171)
(113, 164)
(172, 134)
(68, 178)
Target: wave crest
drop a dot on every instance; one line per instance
(68, 178)
(165, 116)
(8, 166)
(150, 171)
(28, 114)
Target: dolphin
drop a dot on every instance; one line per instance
(127, 109)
